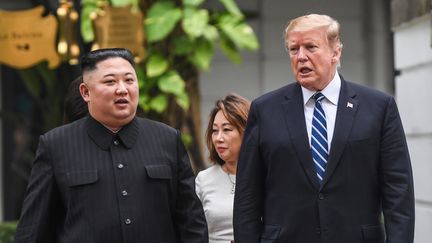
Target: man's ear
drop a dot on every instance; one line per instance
(336, 54)
(84, 90)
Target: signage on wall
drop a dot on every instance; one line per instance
(27, 38)
(119, 27)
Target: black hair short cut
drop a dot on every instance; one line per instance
(89, 61)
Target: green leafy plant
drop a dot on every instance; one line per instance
(181, 37)
(7, 231)
(180, 30)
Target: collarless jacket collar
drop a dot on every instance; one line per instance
(103, 137)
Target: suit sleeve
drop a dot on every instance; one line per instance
(396, 179)
(189, 219)
(248, 199)
(41, 205)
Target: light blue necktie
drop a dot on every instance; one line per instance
(319, 144)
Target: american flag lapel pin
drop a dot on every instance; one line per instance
(350, 105)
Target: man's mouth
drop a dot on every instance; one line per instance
(305, 70)
(121, 101)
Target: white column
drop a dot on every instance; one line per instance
(413, 57)
(379, 65)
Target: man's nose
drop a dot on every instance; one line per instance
(121, 88)
(302, 55)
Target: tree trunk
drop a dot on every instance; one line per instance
(188, 122)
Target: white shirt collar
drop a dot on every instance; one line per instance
(331, 91)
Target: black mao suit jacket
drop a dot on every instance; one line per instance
(278, 198)
(90, 185)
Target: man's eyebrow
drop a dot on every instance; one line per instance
(108, 75)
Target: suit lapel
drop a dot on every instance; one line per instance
(347, 108)
(295, 121)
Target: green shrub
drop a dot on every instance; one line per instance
(7, 231)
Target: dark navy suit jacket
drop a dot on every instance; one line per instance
(278, 198)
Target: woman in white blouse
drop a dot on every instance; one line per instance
(215, 186)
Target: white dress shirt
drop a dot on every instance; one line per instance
(329, 105)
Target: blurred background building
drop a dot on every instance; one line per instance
(387, 46)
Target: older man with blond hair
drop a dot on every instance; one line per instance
(322, 158)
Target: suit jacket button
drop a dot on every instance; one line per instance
(128, 221)
(116, 142)
(124, 193)
(120, 166)
(321, 196)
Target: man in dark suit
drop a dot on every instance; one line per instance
(323, 159)
(111, 177)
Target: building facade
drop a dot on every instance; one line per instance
(412, 28)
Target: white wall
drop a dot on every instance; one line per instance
(413, 57)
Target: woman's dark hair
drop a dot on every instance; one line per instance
(235, 108)
(74, 105)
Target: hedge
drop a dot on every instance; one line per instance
(7, 231)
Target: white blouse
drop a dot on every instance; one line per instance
(214, 188)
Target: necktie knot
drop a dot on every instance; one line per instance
(318, 97)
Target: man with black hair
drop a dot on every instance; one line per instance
(111, 177)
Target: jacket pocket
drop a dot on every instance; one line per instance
(159, 171)
(270, 233)
(373, 233)
(78, 178)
